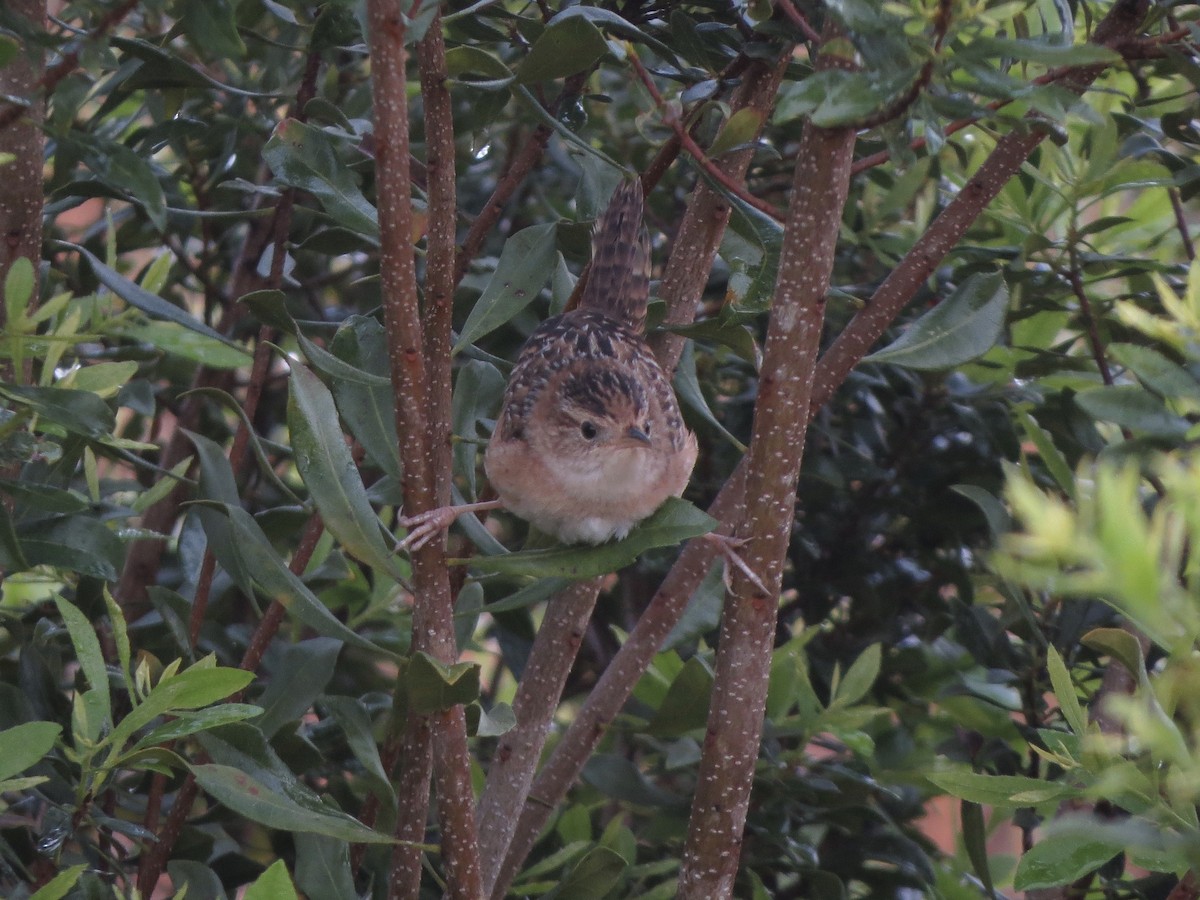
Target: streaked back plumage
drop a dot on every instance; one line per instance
(619, 282)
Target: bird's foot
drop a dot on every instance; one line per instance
(728, 547)
(424, 527)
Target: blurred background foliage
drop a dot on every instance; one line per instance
(1063, 332)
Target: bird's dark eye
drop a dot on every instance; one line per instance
(646, 428)
(588, 430)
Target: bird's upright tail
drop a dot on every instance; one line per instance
(619, 282)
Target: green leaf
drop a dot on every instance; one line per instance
(525, 263)
(187, 343)
(592, 878)
(73, 544)
(433, 686)
(249, 797)
(619, 778)
(134, 178)
(190, 689)
(1132, 407)
(1121, 646)
(299, 674)
(213, 29)
(254, 555)
(1042, 50)
(1048, 452)
(323, 867)
(469, 60)
(79, 412)
(962, 327)
(566, 46)
(494, 722)
(975, 841)
(185, 724)
(614, 23)
(18, 289)
(23, 745)
(88, 652)
(305, 157)
(329, 472)
(368, 409)
(1066, 855)
(674, 522)
(351, 716)
(998, 519)
(60, 885)
(1064, 690)
(151, 304)
(858, 678)
(273, 884)
(1166, 378)
(741, 128)
(996, 790)
(685, 707)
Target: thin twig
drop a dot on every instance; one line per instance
(694, 150)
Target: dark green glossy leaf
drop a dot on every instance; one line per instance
(212, 28)
(1065, 856)
(685, 707)
(997, 790)
(23, 745)
(433, 686)
(1132, 407)
(592, 877)
(249, 797)
(330, 474)
(254, 555)
(43, 498)
(962, 327)
(619, 778)
(974, 835)
(568, 45)
(151, 304)
(674, 522)
(351, 716)
(368, 410)
(525, 263)
(323, 867)
(79, 412)
(305, 157)
(73, 543)
(1166, 378)
(299, 674)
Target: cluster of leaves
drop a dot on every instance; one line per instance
(1055, 336)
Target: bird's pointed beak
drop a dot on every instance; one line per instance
(637, 434)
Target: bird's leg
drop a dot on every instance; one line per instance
(728, 546)
(424, 527)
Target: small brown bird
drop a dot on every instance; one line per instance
(589, 440)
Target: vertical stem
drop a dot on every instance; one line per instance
(433, 629)
(439, 265)
(819, 190)
(519, 751)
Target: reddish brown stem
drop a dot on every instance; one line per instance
(433, 630)
(819, 190)
(511, 771)
(440, 259)
(694, 150)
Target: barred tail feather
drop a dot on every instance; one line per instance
(619, 282)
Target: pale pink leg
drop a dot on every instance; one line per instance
(424, 527)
